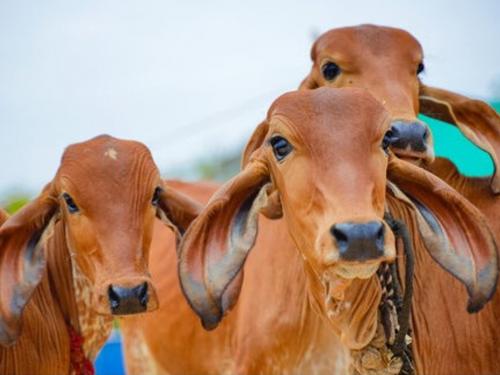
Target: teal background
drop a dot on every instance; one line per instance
(450, 143)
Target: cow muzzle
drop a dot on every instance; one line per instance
(124, 301)
(126, 297)
(411, 140)
(361, 247)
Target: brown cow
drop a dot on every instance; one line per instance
(77, 255)
(323, 152)
(387, 62)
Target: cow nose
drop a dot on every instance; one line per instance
(125, 301)
(359, 242)
(414, 134)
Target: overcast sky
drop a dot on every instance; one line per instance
(193, 78)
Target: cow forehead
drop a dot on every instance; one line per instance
(345, 117)
(107, 162)
(368, 39)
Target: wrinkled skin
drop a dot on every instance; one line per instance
(88, 232)
(332, 201)
(301, 308)
(385, 61)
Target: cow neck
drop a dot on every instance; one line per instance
(377, 355)
(405, 214)
(93, 327)
(74, 296)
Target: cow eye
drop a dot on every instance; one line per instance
(420, 68)
(156, 196)
(330, 71)
(70, 203)
(386, 141)
(281, 147)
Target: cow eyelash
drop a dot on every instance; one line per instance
(281, 147)
(70, 203)
(156, 196)
(420, 68)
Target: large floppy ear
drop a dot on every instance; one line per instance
(22, 259)
(176, 209)
(476, 120)
(216, 245)
(454, 231)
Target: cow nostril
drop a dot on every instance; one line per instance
(114, 298)
(142, 294)
(379, 238)
(393, 132)
(426, 134)
(340, 237)
(380, 232)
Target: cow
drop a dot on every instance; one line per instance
(387, 62)
(77, 255)
(308, 296)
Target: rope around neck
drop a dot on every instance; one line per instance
(400, 347)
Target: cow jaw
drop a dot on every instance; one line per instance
(360, 271)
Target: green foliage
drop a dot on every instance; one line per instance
(15, 202)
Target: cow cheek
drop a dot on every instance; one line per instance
(83, 247)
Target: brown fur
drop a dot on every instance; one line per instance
(285, 320)
(61, 279)
(454, 341)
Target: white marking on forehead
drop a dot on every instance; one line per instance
(111, 153)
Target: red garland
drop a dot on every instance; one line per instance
(79, 363)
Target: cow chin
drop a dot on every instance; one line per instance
(418, 158)
(363, 270)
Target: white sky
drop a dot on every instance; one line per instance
(193, 78)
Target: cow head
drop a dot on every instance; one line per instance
(320, 161)
(330, 193)
(105, 195)
(387, 62)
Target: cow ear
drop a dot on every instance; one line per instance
(3, 216)
(476, 120)
(273, 206)
(454, 231)
(256, 140)
(309, 83)
(22, 259)
(216, 245)
(176, 209)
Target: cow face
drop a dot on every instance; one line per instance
(327, 158)
(109, 193)
(106, 194)
(328, 185)
(387, 62)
